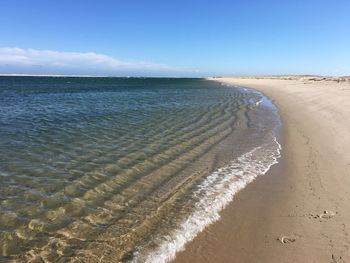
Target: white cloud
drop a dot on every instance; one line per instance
(33, 61)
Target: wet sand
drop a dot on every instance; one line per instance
(312, 177)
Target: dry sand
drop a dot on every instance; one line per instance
(313, 176)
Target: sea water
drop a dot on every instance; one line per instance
(123, 169)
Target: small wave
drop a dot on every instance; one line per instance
(214, 193)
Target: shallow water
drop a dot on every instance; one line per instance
(118, 169)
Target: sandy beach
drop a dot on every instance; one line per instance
(303, 201)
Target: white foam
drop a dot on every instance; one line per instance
(214, 193)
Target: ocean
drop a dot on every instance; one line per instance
(123, 169)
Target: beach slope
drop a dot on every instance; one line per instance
(300, 211)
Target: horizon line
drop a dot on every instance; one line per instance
(128, 76)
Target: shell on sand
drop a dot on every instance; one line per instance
(286, 239)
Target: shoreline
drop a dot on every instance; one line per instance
(312, 177)
(224, 181)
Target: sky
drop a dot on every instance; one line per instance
(175, 37)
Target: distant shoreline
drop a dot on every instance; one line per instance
(305, 78)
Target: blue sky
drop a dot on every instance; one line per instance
(175, 38)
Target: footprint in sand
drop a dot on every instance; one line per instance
(336, 259)
(325, 215)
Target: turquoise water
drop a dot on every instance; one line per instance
(111, 169)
